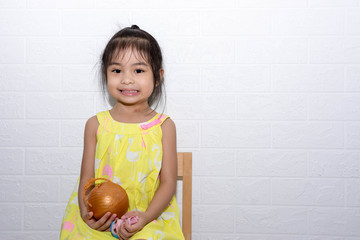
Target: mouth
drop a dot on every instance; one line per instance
(129, 92)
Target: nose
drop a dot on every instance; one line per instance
(127, 79)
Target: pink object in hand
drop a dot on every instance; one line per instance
(116, 224)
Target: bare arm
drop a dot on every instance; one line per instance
(87, 172)
(88, 158)
(168, 173)
(166, 189)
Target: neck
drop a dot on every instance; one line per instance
(134, 114)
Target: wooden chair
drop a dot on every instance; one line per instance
(184, 160)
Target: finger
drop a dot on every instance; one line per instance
(123, 233)
(121, 237)
(89, 220)
(130, 228)
(127, 215)
(88, 215)
(127, 227)
(101, 221)
(107, 224)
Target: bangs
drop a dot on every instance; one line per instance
(140, 48)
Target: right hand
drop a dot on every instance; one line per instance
(103, 224)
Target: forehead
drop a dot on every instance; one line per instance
(129, 54)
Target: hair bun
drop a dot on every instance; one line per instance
(135, 27)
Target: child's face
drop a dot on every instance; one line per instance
(130, 79)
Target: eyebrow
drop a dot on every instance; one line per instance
(135, 64)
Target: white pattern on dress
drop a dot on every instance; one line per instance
(117, 139)
(132, 157)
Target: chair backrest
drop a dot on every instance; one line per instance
(184, 160)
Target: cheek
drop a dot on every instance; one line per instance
(150, 89)
(111, 83)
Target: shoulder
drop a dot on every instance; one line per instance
(92, 124)
(168, 126)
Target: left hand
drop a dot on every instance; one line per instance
(126, 230)
(103, 224)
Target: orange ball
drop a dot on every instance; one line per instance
(106, 197)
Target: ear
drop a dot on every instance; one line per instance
(161, 71)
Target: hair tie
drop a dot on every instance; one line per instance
(135, 27)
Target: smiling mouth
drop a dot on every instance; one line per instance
(129, 92)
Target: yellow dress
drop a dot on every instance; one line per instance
(129, 154)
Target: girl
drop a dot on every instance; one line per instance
(131, 145)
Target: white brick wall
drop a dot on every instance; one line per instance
(265, 93)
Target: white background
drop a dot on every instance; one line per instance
(265, 93)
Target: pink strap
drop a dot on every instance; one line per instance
(153, 123)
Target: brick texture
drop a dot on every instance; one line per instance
(265, 93)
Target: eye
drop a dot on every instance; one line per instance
(139, 71)
(116, 71)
